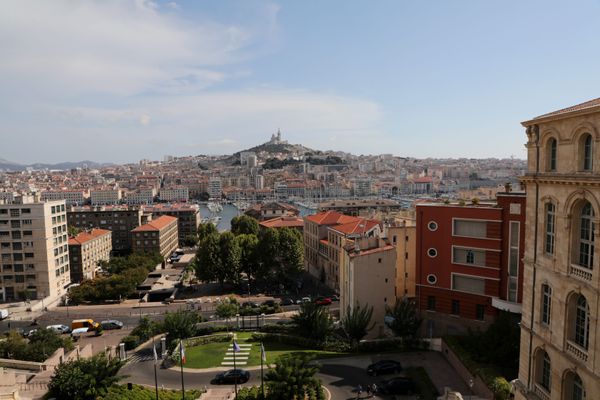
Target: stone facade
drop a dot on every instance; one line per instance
(560, 342)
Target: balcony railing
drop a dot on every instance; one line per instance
(541, 392)
(581, 273)
(577, 351)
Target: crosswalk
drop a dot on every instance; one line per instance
(141, 355)
(241, 357)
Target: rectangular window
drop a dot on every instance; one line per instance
(431, 303)
(470, 228)
(455, 307)
(468, 284)
(480, 312)
(549, 232)
(14, 213)
(513, 260)
(15, 224)
(468, 256)
(546, 304)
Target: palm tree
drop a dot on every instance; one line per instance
(405, 319)
(356, 322)
(294, 379)
(313, 321)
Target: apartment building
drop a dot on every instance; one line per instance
(120, 220)
(140, 196)
(215, 189)
(367, 278)
(101, 197)
(402, 234)
(71, 197)
(270, 210)
(188, 217)
(86, 251)
(157, 236)
(179, 193)
(560, 339)
(34, 252)
(363, 207)
(284, 222)
(469, 263)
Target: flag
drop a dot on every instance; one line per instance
(236, 348)
(263, 354)
(155, 355)
(182, 351)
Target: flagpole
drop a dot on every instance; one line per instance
(262, 383)
(234, 367)
(155, 375)
(181, 363)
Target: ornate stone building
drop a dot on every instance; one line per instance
(560, 342)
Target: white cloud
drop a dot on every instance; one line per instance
(144, 119)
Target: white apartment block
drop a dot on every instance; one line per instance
(259, 182)
(105, 196)
(362, 187)
(215, 189)
(72, 197)
(34, 252)
(141, 196)
(179, 193)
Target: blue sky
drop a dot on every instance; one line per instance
(119, 81)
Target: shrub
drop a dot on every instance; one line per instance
(131, 341)
(501, 388)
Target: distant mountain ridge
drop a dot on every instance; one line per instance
(274, 147)
(13, 166)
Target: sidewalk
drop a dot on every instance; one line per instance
(218, 394)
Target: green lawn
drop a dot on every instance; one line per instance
(211, 355)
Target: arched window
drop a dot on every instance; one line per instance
(586, 153)
(582, 322)
(544, 377)
(550, 222)
(552, 148)
(573, 388)
(546, 304)
(577, 392)
(586, 236)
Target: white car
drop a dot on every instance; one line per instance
(59, 328)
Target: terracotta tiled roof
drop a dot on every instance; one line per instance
(331, 218)
(84, 237)
(360, 226)
(577, 107)
(156, 224)
(283, 222)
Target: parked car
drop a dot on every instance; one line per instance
(303, 300)
(383, 367)
(233, 376)
(111, 324)
(323, 301)
(287, 302)
(59, 328)
(85, 323)
(28, 333)
(399, 385)
(250, 304)
(3, 313)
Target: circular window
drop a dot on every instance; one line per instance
(432, 226)
(432, 252)
(431, 279)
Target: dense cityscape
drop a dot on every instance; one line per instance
(304, 252)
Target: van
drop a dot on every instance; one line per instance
(85, 323)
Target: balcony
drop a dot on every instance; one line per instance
(581, 273)
(577, 351)
(506, 305)
(541, 392)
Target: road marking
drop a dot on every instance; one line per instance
(236, 358)
(232, 363)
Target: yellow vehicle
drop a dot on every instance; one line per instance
(85, 323)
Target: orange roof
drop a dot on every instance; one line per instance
(577, 107)
(86, 236)
(283, 222)
(360, 226)
(156, 224)
(331, 218)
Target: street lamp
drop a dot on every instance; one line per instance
(471, 384)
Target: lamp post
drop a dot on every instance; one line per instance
(471, 384)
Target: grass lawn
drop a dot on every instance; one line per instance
(211, 355)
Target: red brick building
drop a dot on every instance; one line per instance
(469, 262)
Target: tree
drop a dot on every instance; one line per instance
(230, 258)
(291, 254)
(227, 310)
(244, 224)
(249, 257)
(180, 324)
(293, 378)
(208, 259)
(356, 322)
(84, 379)
(268, 249)
(205, 230)
(405, 318)
(501, 388)
(313, 321)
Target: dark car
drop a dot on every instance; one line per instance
(233, 376)
(323, 301)
(383, 367)
(250, 304)
(287, 302)
(111, 324)
(269, 303)
(399, 385)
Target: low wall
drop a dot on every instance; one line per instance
(478, 387)
(20, 364)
